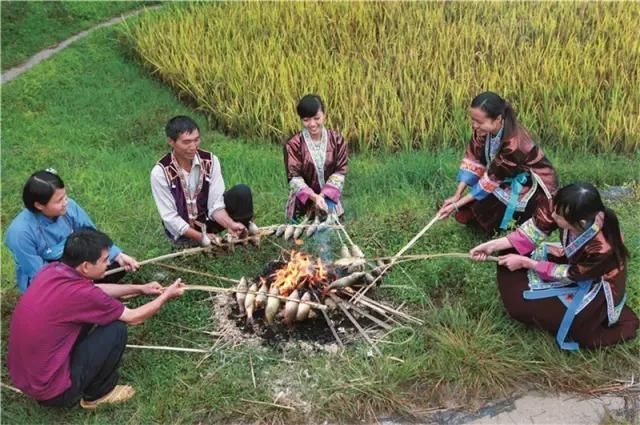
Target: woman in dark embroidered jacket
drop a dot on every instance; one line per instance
(575, 289)
(316, 163)
(509, 177)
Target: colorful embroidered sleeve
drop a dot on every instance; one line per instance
(592, 262)
(526, 237)
(293, 163)
(472, 167)
(332, 189)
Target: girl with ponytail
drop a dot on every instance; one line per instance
(508, 176)
(576, 289)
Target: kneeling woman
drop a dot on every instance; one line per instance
(575, 289)
(508, 175)
(316, 163)
(37, 235)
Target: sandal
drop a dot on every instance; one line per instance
(118, 394)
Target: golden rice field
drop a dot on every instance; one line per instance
(401, 75)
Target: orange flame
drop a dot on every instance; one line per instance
(298, 272)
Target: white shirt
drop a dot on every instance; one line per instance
(166, 204)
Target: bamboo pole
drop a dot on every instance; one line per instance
(330, 324)
(374, 319)
(364, 290)
(183, 253)
(167, 348)
(403, 258)
(185, 270)
(340, 304)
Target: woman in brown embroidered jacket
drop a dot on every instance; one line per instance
(508, 175)
(575, 290)
(316, 163)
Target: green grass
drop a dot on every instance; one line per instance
(30, 26)
(97, 118)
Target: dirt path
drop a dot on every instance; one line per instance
(14, 72)
(540, 408)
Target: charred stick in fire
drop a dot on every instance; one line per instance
(368, 316)
(330, 322)
(355, 322)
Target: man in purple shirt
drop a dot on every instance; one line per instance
(55, 354)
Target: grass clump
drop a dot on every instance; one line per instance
(401, 75)
(30, 26)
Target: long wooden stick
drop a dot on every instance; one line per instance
(344, 230)
(330, 324)
(185, 270)
(183, 253)
(167, 348)
(233, 290)
(403, 258)
(340, 304)
(364, 290)
(374, 319)
(9, 387)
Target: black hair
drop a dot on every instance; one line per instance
(582, 201)
(178, 125)
(495, 106)
(309, 106)
(85, 244)
(39, 188)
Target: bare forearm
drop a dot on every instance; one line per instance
(464, 200)
(222, 218)
(119, 291)
(138, 315)
(462, 186)
(193, 234)
(501, 244)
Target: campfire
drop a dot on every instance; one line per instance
(300, 286)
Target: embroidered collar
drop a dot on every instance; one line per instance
(318, 151)
(190, 200)
(573, 244)
(492, 145)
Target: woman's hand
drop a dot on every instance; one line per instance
(130, 264)
(449, 206)
(482, 251)
(516, 262)
(321, 204)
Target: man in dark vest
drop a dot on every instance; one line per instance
(189, 191)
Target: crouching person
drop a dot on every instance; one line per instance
(189, 191)
(55, 354)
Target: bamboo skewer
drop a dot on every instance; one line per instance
(167, 348)
(344, 230)
(280, 406)
(9, 387)
(368, 302)
(330, 324)
(340, 304)
(374, 319)
(183, 253)
(395, 257)
(185, 270)
(428, 256)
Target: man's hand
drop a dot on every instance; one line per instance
(151, 288)
(237, 229)
(516, 262)
(130, 264)
(175, 290)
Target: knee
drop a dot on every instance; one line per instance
(241, 191)
(119, 330)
